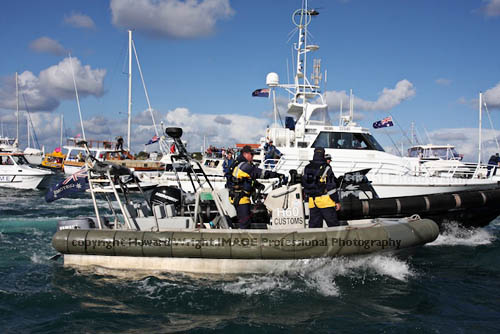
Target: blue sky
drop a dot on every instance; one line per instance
(202, 59)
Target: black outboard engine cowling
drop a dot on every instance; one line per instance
(260, 216)
(166, 195)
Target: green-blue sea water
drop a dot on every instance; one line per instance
(449, 286)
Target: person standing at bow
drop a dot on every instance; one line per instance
(320, 189)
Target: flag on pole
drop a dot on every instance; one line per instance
(386, 122)
(263, 92)
(153, 140)
(72, 184)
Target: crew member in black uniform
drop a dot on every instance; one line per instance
(243, 184)
(119, 144)
(320, 189)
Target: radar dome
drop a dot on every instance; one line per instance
(272, 79)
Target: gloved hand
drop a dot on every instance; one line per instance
(283, 179)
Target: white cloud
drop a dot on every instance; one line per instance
(48, 45)
(170, 18)
(492, 97)
(388, 99)
(239, 129)
(491, 8)
(43, 93)
(443, 81)
(60, 79)
(236, 129)
(79, 20)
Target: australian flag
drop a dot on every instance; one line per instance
(263, 92)
(386, 122)
(153, 140)
(72, 184)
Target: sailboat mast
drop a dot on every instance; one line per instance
(61, 139)
(77, 98)
(17, 110)
(129, 87)
(28, 127)
(480, 126)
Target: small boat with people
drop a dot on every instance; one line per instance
(54, 160)
(77, 150)
(176, 230)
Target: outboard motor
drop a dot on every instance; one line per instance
(76, 224)
(166, 195)
(260, 216)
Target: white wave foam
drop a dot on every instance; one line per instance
(37, 258)
(258, 285)
(455, 235)
(319, 275)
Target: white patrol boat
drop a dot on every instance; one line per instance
(351, 146)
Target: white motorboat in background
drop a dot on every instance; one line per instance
(16, 172)
(8, 144)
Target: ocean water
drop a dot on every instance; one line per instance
(449, 286)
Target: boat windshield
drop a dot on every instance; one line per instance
(445, 153)
(347, 140)
(20, 160)
(320, 116)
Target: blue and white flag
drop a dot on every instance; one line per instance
(386, 122)
(72, 184)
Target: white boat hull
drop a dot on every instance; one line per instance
(191, 265)
(22, 181)
(70, 170)
(384, 184)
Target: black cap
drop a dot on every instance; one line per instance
(328, 156)
(247, 149)
(319, 154)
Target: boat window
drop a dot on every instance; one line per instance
(6, 160)
(347, 140)
(414, 152)
(20, 160)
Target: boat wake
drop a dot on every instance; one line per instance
(320, 275)
(456, 235)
